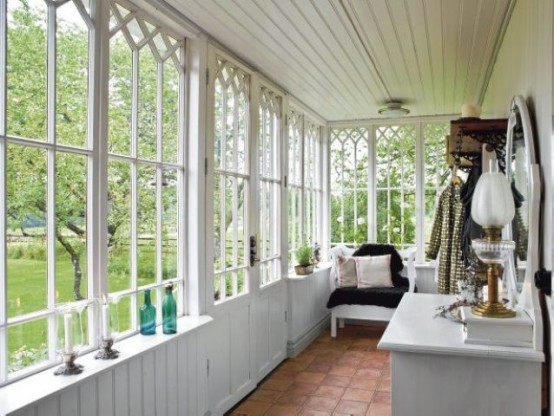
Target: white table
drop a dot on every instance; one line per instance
(433, 373)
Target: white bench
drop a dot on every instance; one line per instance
(365, 312)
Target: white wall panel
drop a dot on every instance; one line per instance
(121, 390)
(69, 402)
(164, 381)
(88, 398)
(307, 313)
(262, 336)
(524, 66)
(277, 327)
(106, 394)
(241, 343)
(172, 380)
(27, 412)
(161, 385)
(135, 387)
(218, 353)
(148, 384)
(49, 407)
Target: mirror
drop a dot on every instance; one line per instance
(522, 172)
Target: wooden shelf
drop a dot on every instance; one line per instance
(473, 133)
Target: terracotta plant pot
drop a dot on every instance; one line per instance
(304, 270)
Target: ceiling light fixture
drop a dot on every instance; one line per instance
(394, 109)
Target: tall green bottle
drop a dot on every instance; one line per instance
(147, 315)
(169, 311)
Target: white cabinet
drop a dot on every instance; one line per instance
(307, 313)
(434, 373)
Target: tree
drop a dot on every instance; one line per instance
(27, 117)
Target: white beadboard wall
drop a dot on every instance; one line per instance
(164, 380)
(524, 66)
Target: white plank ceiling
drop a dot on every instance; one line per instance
(345, 58)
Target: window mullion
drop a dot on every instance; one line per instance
(420, 193)
(3, 172)
(134, 184)
(160, 181)
(51, 178)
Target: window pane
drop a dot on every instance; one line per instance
(71, 227)
(146, 225)
(349, 172)
(120, 315)
(27, 344)
(396, 179)
(71, 76)
(120, 95)
(219, 223)
(230, 158)
(26, 235)
(169, 224)
(26, 69)
(170, 114)
(119, 226)
(268, 156)
(147, 110)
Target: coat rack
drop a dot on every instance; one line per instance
(467, 135)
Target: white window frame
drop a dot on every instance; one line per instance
(372, 125)
(176, 56)
(301, 186)
(96, 152)
(273, 180)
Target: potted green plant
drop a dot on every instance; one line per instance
(304, 260)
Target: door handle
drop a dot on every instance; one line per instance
(253, 251)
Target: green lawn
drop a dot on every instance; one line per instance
(27, 292)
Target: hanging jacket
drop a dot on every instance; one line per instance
(446, 236)
(471, 230)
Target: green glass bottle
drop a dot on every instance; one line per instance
(169, 311)
(147, 315)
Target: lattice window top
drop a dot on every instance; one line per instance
(346, 134)
(270, 101)
(140, 33)
(231, 76)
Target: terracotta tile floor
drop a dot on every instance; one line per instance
(345, 376)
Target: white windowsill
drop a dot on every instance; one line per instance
(320, 267)
(30, 390)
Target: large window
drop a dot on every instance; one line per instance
(304, 182)
(270, 187)
(380, 175)
(145, 164)
(231, 180)
(52, 165)
(395, 185)
(349, 213)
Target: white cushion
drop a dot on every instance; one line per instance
(334, 253)
(373, 271)
(347, 276)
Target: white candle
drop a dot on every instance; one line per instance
(68, 325)
(105, 321)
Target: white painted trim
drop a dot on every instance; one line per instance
(296, 346)
(298, 106)
(16, 396)
(420, 193)
(389, 121)
(195, 178)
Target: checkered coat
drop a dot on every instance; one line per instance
(446, 239)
